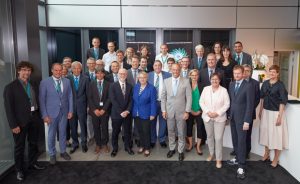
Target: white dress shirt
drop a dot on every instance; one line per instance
(108, 58)
(161, 83)
(164, 60)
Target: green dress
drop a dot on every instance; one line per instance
(195, 99)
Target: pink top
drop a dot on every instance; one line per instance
(217, 101)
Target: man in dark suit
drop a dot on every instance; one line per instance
(241, 57)
(99, 109)
(132, 74)
(241, 115)
(113, 76)
(21, 106)
(121, 60)
(56, 107)
(91, 65)
(156, 78)
(144, 66)
(199, 61)
(95, 52)
(205, 73)
(256, 92)
(120, 95)
(79, 84)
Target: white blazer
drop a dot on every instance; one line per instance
(217, 101)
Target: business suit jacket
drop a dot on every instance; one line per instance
(242, 103)
(194, 63)
(187, 74)
(51, 102)
(80, 100)
(119, 103)
(130, 79)
(256, 90)
(247, 59)
(151, 75)
(17, 104)
(94, 98)
(204, 79)
(90, 53)
(177, 105)
(144, 105)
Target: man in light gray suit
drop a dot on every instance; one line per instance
(185, 61)
(56, 105)
(176, 102)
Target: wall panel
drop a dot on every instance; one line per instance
(267, 2)
(84, 2)
(181, 2)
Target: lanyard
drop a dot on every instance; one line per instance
(164, 60)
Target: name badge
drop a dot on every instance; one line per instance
(101, 103)
(32, 108)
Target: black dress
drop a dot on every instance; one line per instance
(228, 71)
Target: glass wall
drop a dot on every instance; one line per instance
(6, 75)
(209, 37)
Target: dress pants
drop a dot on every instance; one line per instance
(239, 141)
(162, 126)
(116, 129)
(60, 123)
(74, 128)
(248, 139)
(215, 131)
(100, 125)
(180, 124)
(30, 131)
(90, 129)
(143, 126)
(201, 133)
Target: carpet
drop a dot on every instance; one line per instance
(160, 172)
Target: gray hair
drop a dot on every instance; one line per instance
(76, 63)
(199, 47)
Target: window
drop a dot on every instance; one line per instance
(209, 37)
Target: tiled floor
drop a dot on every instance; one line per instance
(157, 153)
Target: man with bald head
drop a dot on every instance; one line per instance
(176, 103)
(120, 95)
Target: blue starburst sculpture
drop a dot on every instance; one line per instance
(178, 53)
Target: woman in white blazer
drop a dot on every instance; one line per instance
(214, 102)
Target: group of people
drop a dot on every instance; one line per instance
(138, 96)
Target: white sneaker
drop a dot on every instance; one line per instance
(232, 162)
(240, 173)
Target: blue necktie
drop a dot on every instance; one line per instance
(238, 59)
(115, 77)
(236, 89)
(175, 87)
(96, 53)
(100, 88)
(199, 62)
(58, 86)
(76, 83)
(92, 77)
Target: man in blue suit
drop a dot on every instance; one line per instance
(56, 105)
(256, 91)
(241, 112)
(80, 85)
(156, 78)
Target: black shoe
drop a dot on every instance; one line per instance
(248, 156)
(181, 157)
(52, 160)
(232, 153)
(163, 144)
(129, 151)
(37, 167)
(84, 148)
(74, 149)
(65, 156)
(152, 145)
(113, 153)
(241, 173)
(170, 153)
(138, 143)
(20, 176)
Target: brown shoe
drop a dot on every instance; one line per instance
(97, 150)
(105, 149)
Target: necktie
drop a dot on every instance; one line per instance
(238, 59)
(100, 88)
(236, 89)
(210, 72)
(199, 62)
(92, 77)
(157, 83)
(58, 86)
(175, 87)
(96, 53)
(123, 89)
(115, 77)
(184, 73)
(134, 76)
(76, 83)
